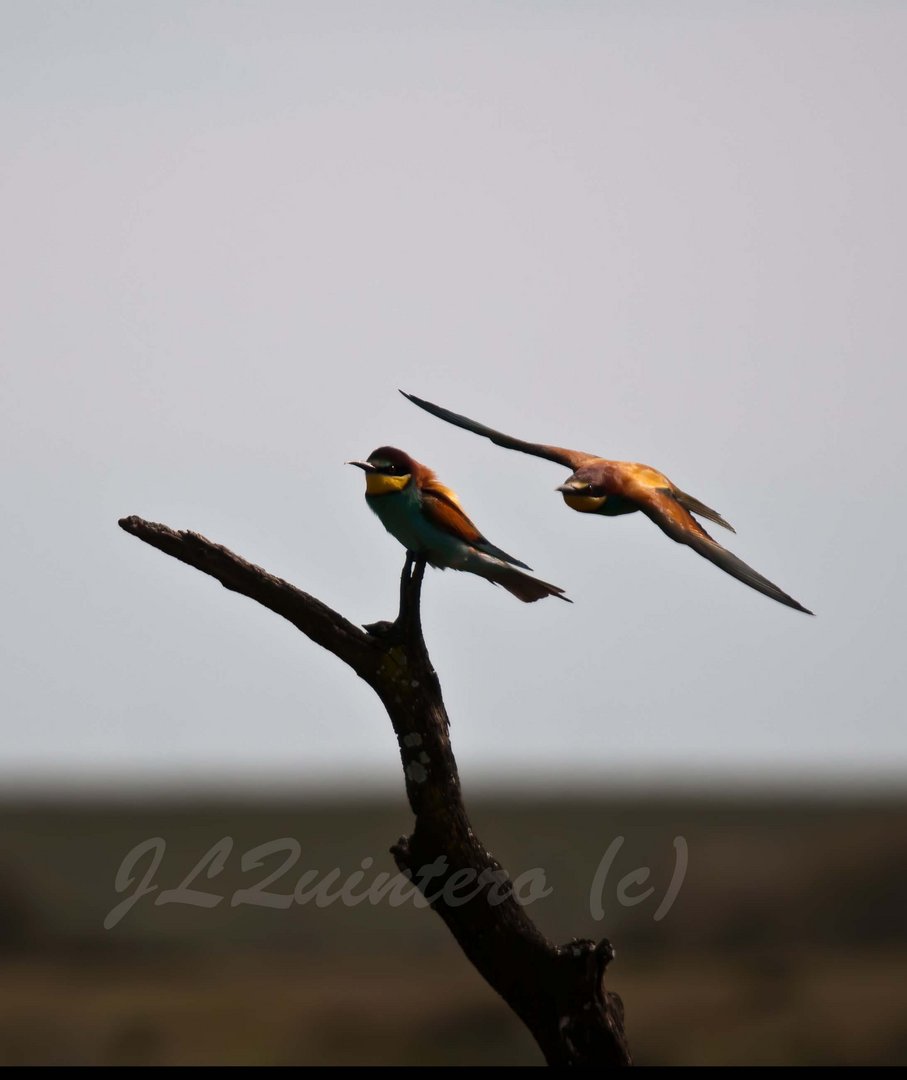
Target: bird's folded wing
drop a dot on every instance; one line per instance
(443, 510)
(572, 459)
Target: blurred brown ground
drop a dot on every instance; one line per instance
(786, 943)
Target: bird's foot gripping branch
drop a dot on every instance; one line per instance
(558, 992)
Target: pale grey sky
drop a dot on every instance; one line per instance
(667, 232)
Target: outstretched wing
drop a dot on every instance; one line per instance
(572, 459)
(442, 508)
(672, 518)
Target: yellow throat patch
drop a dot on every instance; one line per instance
(381, 484)
(586, 504)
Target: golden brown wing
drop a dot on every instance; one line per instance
(442, 508)
(572, 459)
(667, 513)
(631, 477)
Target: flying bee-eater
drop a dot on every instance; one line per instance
(426, 517)
(611, 488)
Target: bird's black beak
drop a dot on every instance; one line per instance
(366, 466)
(566, 489)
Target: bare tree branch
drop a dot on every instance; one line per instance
(316, 620)
(558, 992)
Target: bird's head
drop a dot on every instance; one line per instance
(387, 470)
(583, 491)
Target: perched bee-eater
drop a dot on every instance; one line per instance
(427, 519)
(610, 488)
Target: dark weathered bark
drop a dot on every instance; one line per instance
(558, 991)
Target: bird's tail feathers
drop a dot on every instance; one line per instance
(525, 588)
(700, 509)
